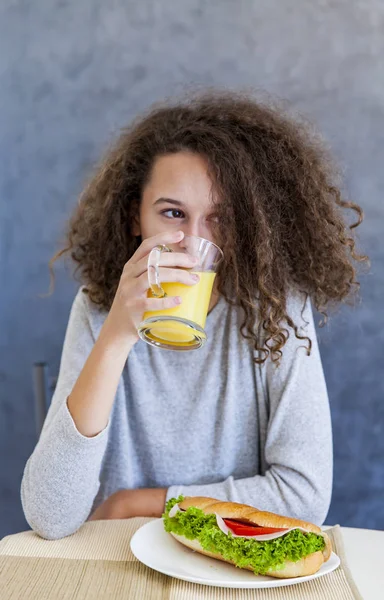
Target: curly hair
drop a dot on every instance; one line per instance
(279, 209)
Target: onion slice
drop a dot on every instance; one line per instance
(175, 509)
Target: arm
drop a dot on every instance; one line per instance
(298, 443)
(61, 478)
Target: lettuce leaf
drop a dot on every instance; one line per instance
(260, 556)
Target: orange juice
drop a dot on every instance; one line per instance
(193, 308)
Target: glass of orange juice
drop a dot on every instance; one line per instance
(181, 327)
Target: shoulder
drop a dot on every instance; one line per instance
(299, 308)
(302, 337)
(87, 313)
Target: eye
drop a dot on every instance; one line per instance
(173, 213)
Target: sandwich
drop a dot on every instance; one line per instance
(262, 542)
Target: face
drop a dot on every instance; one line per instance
(177, 197)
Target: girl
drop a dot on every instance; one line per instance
(246, 418)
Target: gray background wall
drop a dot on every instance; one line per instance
(73, 72)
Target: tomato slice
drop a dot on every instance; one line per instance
(245, 529)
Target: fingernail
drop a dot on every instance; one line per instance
(195, 277)
(177, 300)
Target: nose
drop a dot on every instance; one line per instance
(194, 227)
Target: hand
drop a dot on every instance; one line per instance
(131, 300)
(126, 504)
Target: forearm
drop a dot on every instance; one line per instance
(124, 504)
(278, 491)
(91, 399)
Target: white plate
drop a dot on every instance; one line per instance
(158, 550)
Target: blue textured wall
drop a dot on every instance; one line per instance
(72, 72)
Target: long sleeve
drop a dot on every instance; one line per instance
(61, 478)
(297, 441)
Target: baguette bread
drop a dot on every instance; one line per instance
(248, 514)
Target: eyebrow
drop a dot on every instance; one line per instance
(168, 201)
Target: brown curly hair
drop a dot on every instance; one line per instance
(279, 209)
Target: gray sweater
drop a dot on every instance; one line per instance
(208, 422)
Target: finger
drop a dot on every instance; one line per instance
(168, 276)
(167, 259)
(160, 239)
(178, 275)
(152, 304)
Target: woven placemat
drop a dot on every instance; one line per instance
(97, 563)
